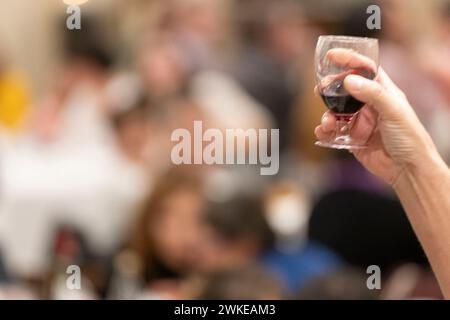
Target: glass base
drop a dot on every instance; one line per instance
(343, 138)
(339, 145)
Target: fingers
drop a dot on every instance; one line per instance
(363, 126)
(325, 130)
(350, 59)
(371, 92)
(328, 121)
(381, 93)
(329, 79)
(322, 135)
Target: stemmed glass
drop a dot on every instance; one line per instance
(337, 57)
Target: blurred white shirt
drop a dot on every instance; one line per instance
(82, 180)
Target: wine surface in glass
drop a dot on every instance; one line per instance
(337, 99)
(342, 103)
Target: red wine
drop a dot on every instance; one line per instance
(337, 99)
(342, 103)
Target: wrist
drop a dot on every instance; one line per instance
(427, 167)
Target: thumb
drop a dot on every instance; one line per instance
(370, 92)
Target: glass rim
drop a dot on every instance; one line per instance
(347, 38)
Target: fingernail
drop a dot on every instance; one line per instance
(354, 82)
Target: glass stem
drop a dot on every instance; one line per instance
(344, 123)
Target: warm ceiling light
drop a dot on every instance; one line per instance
(74, 2)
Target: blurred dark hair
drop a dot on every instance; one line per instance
(176, 179)
(365, 228)
(240, 217)
(87, 44)
(247, 283)
(344, 284)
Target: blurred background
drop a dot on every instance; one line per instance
(85, 172)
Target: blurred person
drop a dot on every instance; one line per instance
(160, 66)
(225, 104)
(74, 110)
(294, 268)
(343, 284)
(199, 29)
(288, 209)
(217, 97)
(273, 42)
(245, 283)
(132, 126)
(238, 234)
(174, 241)
(182, 58)
(400, 152)
(161, 76)
(165, 81)
(69, 248)
(14, 97)
(49, 170)
(93, 183)
(167, 234)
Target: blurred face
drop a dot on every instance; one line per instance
(175, 233)
(206, 19)
(216, 253)
(161, 70)
(287, 36)
(134, 137)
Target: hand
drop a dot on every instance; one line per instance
(395, 137)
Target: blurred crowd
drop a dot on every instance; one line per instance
(86, 176)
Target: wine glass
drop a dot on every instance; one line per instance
(337, 57)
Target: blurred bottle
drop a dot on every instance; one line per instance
(67, 251)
